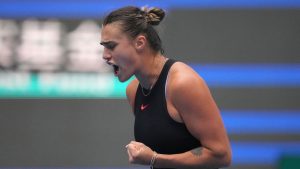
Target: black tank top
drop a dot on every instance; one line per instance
(153, 125)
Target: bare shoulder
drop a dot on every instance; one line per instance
(185, 85)
(131, 91)
(182, 75)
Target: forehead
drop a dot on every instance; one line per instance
(112, 32)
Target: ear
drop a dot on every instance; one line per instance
(140, 42)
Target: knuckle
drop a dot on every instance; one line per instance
(134, 155)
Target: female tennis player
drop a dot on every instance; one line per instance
(177, 122)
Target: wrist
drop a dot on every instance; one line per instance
(153, 159)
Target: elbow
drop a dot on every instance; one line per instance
(226, 158)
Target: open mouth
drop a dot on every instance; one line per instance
(116, 69)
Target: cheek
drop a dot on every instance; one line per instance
(127, 58)
(128, 62)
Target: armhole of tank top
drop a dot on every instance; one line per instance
(166, 104)
(167, 83)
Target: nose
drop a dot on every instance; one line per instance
(106, 55)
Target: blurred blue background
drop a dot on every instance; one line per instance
(61, 106)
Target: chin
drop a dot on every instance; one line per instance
(124, 78)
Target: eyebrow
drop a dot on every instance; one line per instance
(107, 42)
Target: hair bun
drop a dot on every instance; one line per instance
(154, 15)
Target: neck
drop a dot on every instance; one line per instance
(150, 70)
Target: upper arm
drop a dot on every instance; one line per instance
(131, 91)
(192, 99)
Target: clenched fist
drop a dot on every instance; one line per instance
(139, 153)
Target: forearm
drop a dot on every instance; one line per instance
(197, 158)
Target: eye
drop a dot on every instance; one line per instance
(111, 46)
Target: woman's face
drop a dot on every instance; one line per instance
(119, 51)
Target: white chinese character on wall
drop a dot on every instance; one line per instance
(8, 35)
(40, 47)
(83, 49)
